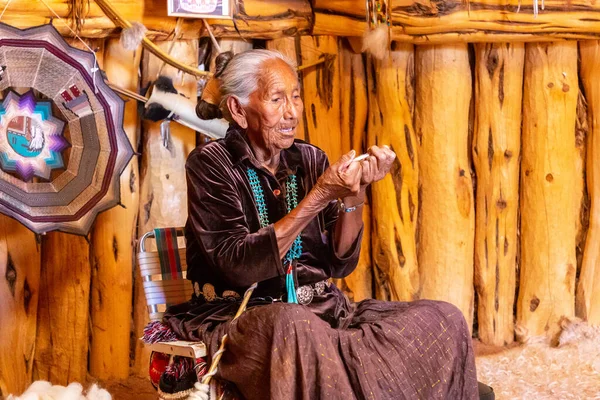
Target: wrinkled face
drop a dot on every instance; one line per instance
(274, 108)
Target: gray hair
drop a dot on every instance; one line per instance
(240, 77)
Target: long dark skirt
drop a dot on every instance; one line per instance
(334, 350)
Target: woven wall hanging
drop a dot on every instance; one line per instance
(62, 143)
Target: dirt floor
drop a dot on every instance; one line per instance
(133, 388)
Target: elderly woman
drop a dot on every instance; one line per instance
(265, 207)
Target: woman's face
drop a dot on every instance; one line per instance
(274, 108)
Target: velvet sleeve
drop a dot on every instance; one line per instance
(341, 265)
(217, 217)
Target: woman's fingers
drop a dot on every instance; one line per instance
(385, 159)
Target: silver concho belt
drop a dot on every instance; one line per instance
(306, 293)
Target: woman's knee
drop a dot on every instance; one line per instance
(266, 320)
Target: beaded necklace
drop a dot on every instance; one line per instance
(291, 200)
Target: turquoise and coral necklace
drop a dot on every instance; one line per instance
(291, 200)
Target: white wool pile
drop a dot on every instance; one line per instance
(42, 390)
(536, 370)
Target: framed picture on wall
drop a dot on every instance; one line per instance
(200, 8)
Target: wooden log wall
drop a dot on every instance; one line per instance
(446, 214)
(443, 225)
(548, 179)
(496, 154)
(588, 289)
(113, 241)
(396, 198)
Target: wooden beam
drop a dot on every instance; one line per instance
(25, 14)
(431, 22)
(321, 94)
(353, 113)
(258, 19)
(588, 288)
(548, 183)
(446, 214)
(396, 197)
(20, 262)
(496, 154)
(113, 237)
(61, 352)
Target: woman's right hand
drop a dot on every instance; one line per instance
(341, 179)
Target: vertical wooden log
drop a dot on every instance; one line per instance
(63, 314)
(588, 288)
(19, 288)
(61, 354)
(496, 153)
(113, 241)
(396, 197)
(548, 176)
(290, 47)
(358, 285)
(163, 195)
(321, 94)
(446, 214)
(234, 45)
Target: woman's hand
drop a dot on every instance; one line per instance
(377, 165)
(341, 179)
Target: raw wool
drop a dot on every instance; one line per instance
(377, 42)
(42, 390)
(132, 37)
(537, 370)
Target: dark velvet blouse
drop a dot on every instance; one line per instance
(226, 247)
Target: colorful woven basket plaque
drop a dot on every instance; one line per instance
(62, 144)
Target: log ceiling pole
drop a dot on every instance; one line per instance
(413, 21)
(444, 21)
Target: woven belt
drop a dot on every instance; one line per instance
(306, 293)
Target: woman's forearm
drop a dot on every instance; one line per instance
(290, 226)
(349, 224)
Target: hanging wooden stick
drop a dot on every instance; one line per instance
(118, 20)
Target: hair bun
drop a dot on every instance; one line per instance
(221, 62)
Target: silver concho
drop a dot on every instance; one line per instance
(304, 294)
(320, 288)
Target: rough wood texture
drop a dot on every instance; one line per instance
(358, 285)
(451, 21)
(257, 19)
(548, 179)
(113, 241)
(290, 47)
(496, 153)
(234, 45)
(253, 18)
(588, 289)
(446, 212)
(19, 288)
(61, 353)
(25, 14)
(163, 195)
(321, 94)
(396, 197)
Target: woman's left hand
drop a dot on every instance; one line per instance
(377, 165)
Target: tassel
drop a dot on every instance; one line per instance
(291, 287)
(377, 41)
(156, 331)
(132, 37)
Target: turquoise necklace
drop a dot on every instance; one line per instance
(291, 200)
